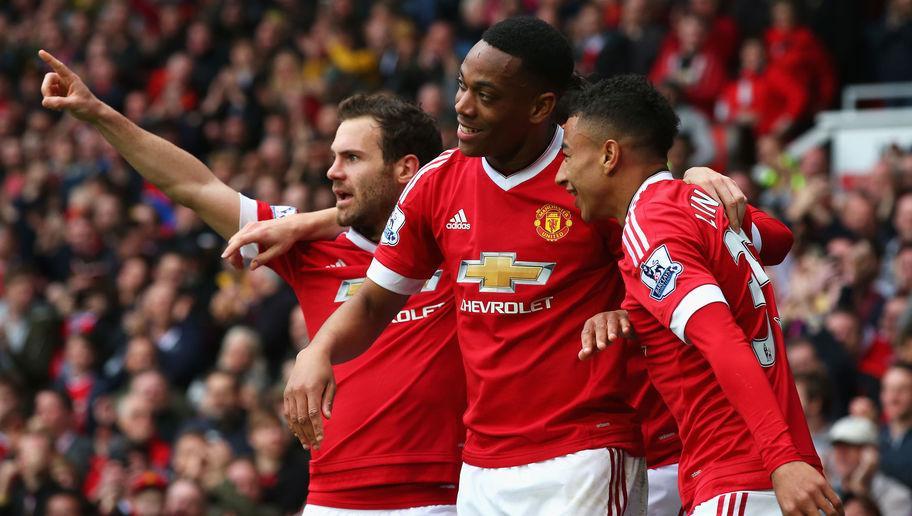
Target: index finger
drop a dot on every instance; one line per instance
(238, 240)
(54, 63)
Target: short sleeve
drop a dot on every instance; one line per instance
(669, 277)
(408, 253)
(254, 211)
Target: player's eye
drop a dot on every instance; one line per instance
(460, 84)
(352, 158)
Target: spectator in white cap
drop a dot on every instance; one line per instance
(855, 461)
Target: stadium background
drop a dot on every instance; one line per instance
(171, 365)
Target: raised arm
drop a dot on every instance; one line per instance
(182, 177)
(347, 333)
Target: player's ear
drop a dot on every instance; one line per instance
(542, 107)
(611, 155)
(406, 168)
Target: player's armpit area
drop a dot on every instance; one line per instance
(712, 329)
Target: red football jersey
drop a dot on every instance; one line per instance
(528, 273)
(661, 442)
(680, 256)
(395, 434)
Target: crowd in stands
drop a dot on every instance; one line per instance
(139, 373)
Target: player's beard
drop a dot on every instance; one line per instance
(375, 198)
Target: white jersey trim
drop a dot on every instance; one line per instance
(756, 238)
(360, 241)
(248, 213)
(392, 280)
(431, 165)
(655, 178)
(694, 300)
(517, 178)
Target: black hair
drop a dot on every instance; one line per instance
(405, 129)
(545, 53)
(627, 105)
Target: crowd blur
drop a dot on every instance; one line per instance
(140, 375)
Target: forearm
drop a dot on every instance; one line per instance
(352, 328)
(712, 329)
(316, 225)
(176, 172)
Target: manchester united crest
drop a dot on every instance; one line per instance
(552, 222)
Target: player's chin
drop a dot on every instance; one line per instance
(472, 149)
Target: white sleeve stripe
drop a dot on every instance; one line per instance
(248, 213)
(637, 231)
(755, 238)
(632, 256)
(393, 281)
(431, 165)
(633, 242)
(694, 300)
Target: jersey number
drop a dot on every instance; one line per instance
(736, 243)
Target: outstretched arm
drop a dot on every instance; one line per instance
(182, 177)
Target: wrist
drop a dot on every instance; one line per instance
(99, 113)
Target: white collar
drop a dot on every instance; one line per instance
(361, 241)
(655, 178)
(517, 178)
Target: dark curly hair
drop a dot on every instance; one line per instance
(545, 53)
(405, 129)
(629, 106)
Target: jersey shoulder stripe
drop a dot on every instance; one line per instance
(432, 165)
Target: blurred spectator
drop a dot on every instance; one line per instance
(698, 72)
(797, 52)
(282, 467)
(66, 503)
(694, 126)
(890, 43)
(896, 436)
(54, 413)
(220, 411)
(859, 505)
(30, 331)
(146, 496)
(813, 389)
(241, 492)
(633, 45)
(185, 498)
(855, 461)
(25, 481)
(763, 99)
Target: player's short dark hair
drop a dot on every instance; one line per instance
(405, 129)
(629, 106)
(545, 53)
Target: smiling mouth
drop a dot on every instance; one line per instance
(468, 130)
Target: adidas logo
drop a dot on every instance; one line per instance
(459, 221)
(339, 263)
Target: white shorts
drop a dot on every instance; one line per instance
(664, 499)
(429, 510)
(597, 482)
(740, 503)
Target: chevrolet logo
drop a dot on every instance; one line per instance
(350, 287)
(500, 272)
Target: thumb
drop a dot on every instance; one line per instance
(56, 103)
